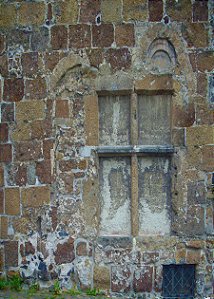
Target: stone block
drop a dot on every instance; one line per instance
(202, 84)
(208, 158)
(196, 193)
(30, 111)
(142, 281)
(30, 64)
(31, 13)
(91, 120)
(65, 252)
(22, 132)
(179, 11)
(183, 116)
(62, 109)
(1, 259)
(79, 36)
(35, 88)
(194, 224)
(11, 253)
(21, 175)
(4, 65)
(211, 88)
(102, 277)
(196, 244)
(35, 197)
(12, 201)
(1, 176)
(5, 153)
(51, 59)
(67, 11)
(200, 11)
(95, 56)
(193, 256)
(103, 35)
(28, 150)
(119, 59)
(180, 255)
(124, 35)
(150, 257)
(155, 10)
(89, 11)
(205, 61)
(1, 201)
(111, 11)
(43, 171)
(66, 182)
(135, 10)
(178, 136)
(40, 39)
(47, 147)
(121, 279)
(7, 15)
(7, 112)
(199, 135)
(155, 85)
(2, 43)
(191, 30)
(3, 227)
(3, 132)
(59, 37)
(13, 90)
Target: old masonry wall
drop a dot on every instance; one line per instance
(77, 75)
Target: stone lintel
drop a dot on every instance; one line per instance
(155, 85)
(144, 149)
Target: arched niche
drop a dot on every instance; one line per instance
(161, 56)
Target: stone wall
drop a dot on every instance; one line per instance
(59, 62)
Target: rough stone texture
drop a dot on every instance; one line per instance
(11, 253)
(155, 10)
(135, 10)
(5, 153)
(103, 35)
(89, 10)
(7, 15)
(143, 279)
(65, 252)
(79, 36)
(179, 11)
(62, 109)
(3, 132)
(124, 35)
(31, 14)
(35, 196)
(111, 11)
(59, 37)
(66, 11)
(200, 11)
(13, 90)
(102, 277)
(35, 88)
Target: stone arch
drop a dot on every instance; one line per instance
(161, 55)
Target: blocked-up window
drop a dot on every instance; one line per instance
(134, 164)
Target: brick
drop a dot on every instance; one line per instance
(21, 175)
(62, 109)
(142, 281)
(36, 88)
(49, 15)
(205, 61)
(29, 248)
(28, 150)
(183, 116)
(192, 59)
(81, 249)
(119, 59)
(7, 112)
(101, 277)
(66, 12)
(11, 253)
(4, 227)
(124, 35)
(67, 165)
(2, 43)
(38, 129)
(30, 111)
(1, 201)
(179, 11)
(43, 171)
(30, 64)
(59, 37)
(135, 10)
(67, 182)
(89, 10)
(40, 39)
(95, 56)
(200, 11)
(51, 59)
(13, 90)
(199, 135)
(12, 201)
(103, 35)
(121, 279)
(7, 15)
(5, 153)
(193, 256)
(48, 145)
(91, 120)
(1, 176)
(155, 10)
(191, 30)
(35, 197)
(208, 158)
(79, 36)
(3, 132)
(65, 252)
(32, 13)
(111, 11)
